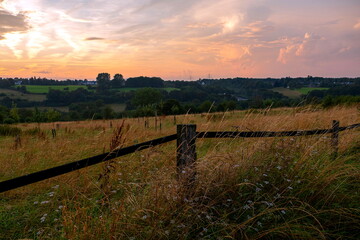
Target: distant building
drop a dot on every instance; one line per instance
(86, 82)
(239, 98)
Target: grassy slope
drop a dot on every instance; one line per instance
(13, 94)
(306, 90)
(45, 89)
(286, 188)
(296, 93)
(288, 92)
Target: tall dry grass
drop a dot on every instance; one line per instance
(269, 188)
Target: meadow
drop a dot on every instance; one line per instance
(44, 89)
(295, 93)
(261, 188)
(13, 94)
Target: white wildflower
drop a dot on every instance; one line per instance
(246, 207)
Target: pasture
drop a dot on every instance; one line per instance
(296, 93)
(43, 89)
(270, 188)
(13, 94)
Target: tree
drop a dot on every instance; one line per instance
(103, 82)
(171, 106)
(146, 96)
(118, 81)
(14, 113)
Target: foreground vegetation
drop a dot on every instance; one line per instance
(274, 188)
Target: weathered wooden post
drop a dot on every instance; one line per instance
(335, 138)
(174, 120)
(186, 154)
(53, 131)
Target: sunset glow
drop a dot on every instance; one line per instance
(179, 39)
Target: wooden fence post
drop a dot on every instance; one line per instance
(335, 137)
(186, 153)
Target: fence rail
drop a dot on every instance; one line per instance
(186, 152)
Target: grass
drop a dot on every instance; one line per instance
(287, 92)
(13, 94)
(306, 90)
(268, 188)
(43, 89)
(296, 93)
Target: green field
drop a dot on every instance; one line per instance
(306, 90)
(296, 93)
(13, 94)
(45, 89)
(287, 92)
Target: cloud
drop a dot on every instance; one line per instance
(12, 23)
(43, 72)
(94, 39)
(357, 25)
(296, 47)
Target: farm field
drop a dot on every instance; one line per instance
(290, 93)
(295, 93)
(43, 89)
(307, 90)
(13, 94)
(255, 188)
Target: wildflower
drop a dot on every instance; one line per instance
(51, 194)
(144, 217)
(265, 175)
(283, 211)
(279, 167)
(277, 195)
(246, 180)
(257, 189)
(61, 206)
(43, 218)
(266, 182)
(259, 224)
(44, 202)
(236, 165)
(36, 202)
(288, 180)
(55, 187)
(256, 169)
(289, 187)
(246, 207)
(298, 181)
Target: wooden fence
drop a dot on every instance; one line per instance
(186, 152)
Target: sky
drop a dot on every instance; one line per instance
(179, 39)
